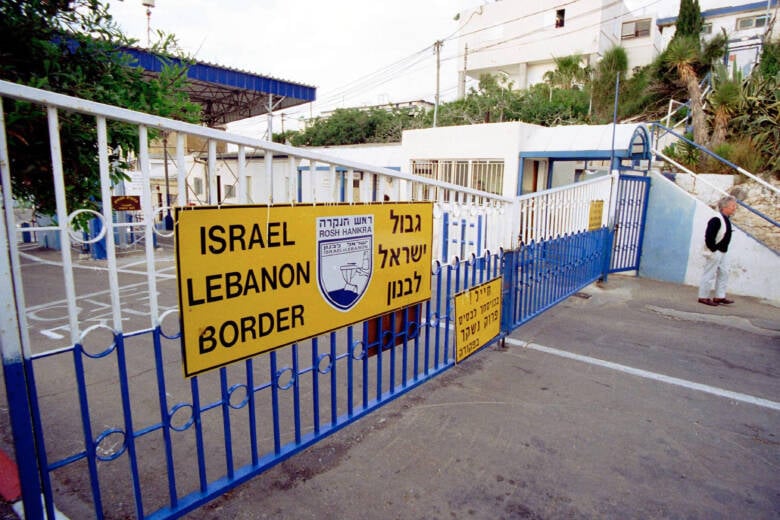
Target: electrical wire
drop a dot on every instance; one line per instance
(412, 63)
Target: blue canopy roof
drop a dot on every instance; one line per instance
(227, 94)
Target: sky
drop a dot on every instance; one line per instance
(356, 52)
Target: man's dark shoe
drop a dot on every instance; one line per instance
(723, 301)
(709, 301)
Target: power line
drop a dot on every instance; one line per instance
(492, 46)
(410, 63)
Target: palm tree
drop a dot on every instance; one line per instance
(724, 101)
(602, 86)
(685, 56)
(568, 72)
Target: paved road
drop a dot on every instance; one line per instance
(636, 402)
(629, 401)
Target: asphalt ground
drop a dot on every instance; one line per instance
(630, 400)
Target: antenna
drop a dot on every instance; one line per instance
(148, 4)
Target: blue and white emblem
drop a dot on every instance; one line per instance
(345, 262)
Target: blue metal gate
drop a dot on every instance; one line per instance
(630, 213)
(539, 275)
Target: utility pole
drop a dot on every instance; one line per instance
(462, 85)
(437, 50)
(148, 4)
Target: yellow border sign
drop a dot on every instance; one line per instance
(477, 317)
(594, 214)
(255, 278)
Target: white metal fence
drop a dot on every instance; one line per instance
(564, 210)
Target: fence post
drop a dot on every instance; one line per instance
(15, 359)
(608, 236)
(509, 273)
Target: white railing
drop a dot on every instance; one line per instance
(263, 172)
(563, 210)
(284, 175)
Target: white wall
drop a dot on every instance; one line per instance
(487, 141)
(503, 34)
(518, 38)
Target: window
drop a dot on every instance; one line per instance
(488, 176)
(197, 185)
(751, 22)
(560, 16)
(706, 28)
(635, 29)
(230, 191)
(479, 174)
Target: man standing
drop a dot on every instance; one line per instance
(716, 245)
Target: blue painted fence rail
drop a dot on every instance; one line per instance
(214, 431)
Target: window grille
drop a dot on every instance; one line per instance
(479, 174)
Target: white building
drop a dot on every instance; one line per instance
(506, 159)
(519, 40)
(744, 24)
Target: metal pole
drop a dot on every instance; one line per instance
(437, 50)
(268, 156)
(168, 217)
(613, 168)
(614, 120)
(462, 86)
(16, 358)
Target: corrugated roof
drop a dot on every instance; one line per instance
(228, 94)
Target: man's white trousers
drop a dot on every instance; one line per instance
(716, 271)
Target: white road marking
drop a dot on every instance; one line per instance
(51, 335)
(160, 273)
(745, 398)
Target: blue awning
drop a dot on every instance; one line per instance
(227, 94)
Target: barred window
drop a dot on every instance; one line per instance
(488, 176)
(479, 174)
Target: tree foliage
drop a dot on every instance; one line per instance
(354, 126)
(723, 103)
(689, 20)
(757, 116)
(769, 64)
(75, 48)
(613, 66)
(569, 72)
